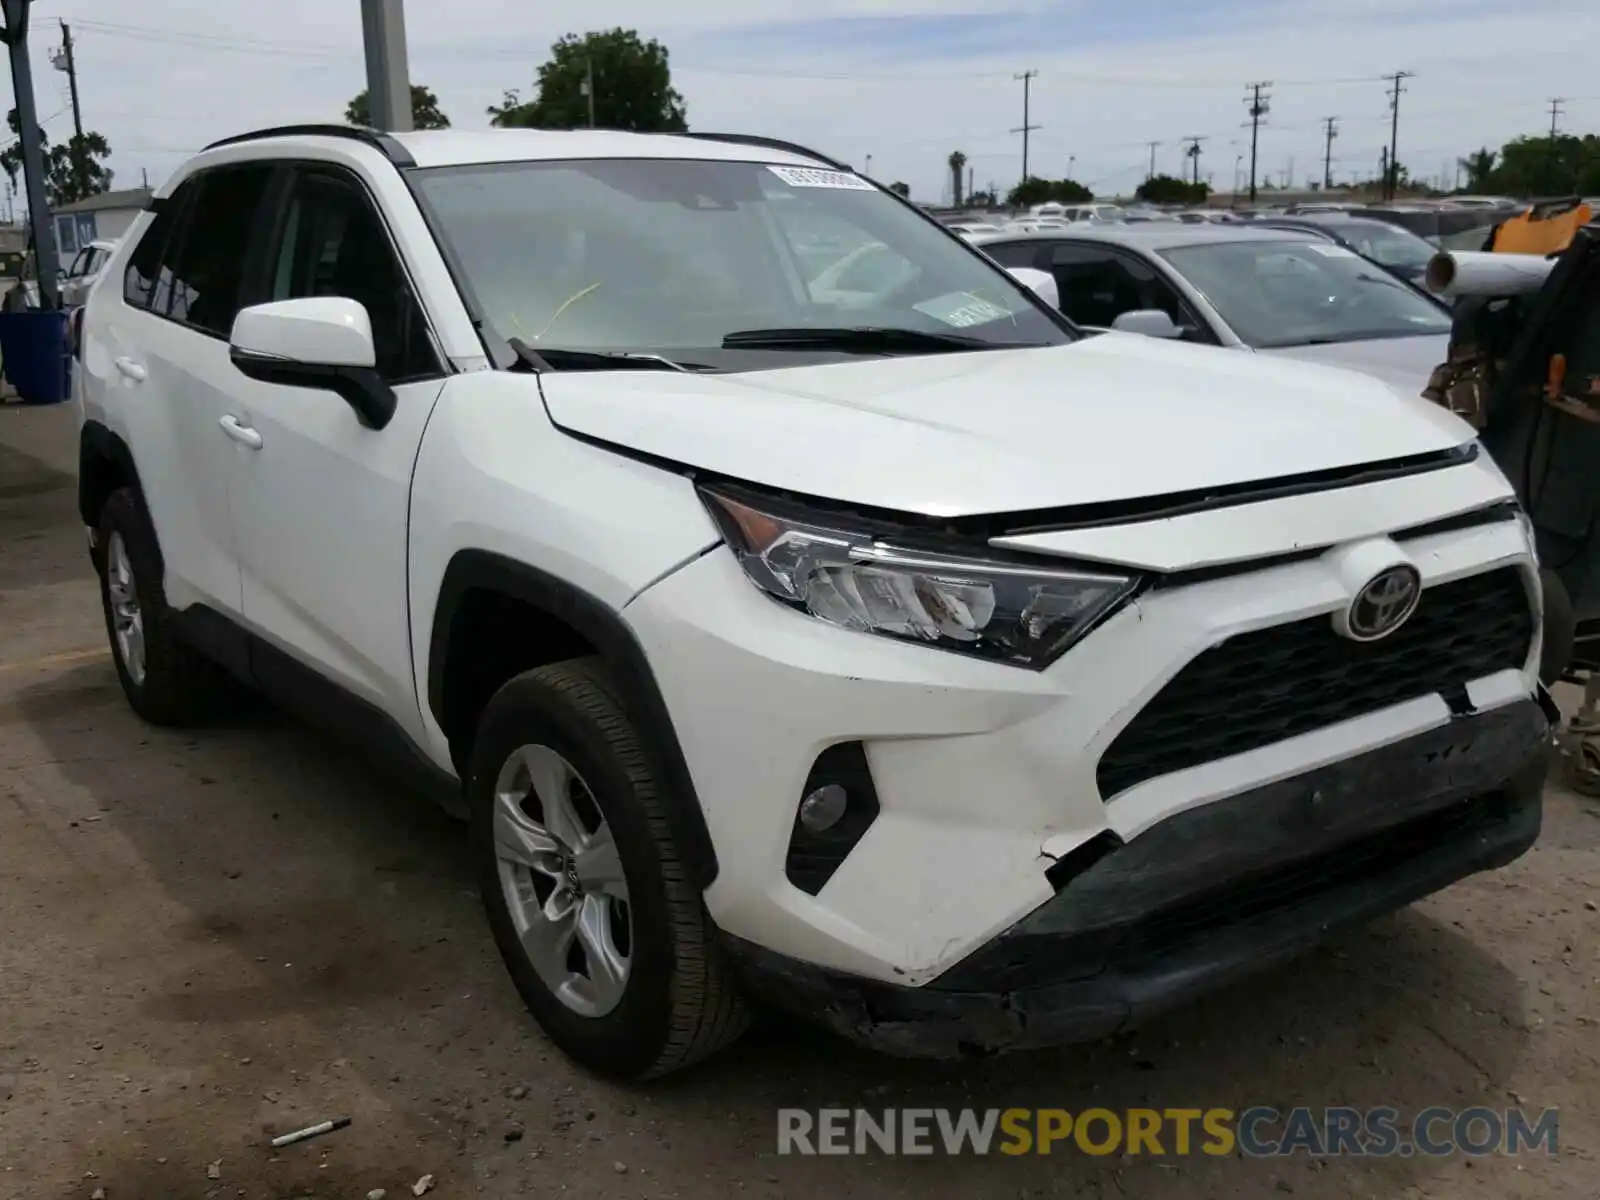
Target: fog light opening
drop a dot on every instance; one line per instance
(822, 809)
(835, 807)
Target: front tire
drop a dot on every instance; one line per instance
(167, 682)
(592, 909)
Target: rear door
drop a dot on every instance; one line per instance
(165, 357)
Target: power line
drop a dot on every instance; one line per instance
(1327, 152)
(1556, 114)
(1152, 173)
(1193, 155)
(1025, 128)
(1259, 107)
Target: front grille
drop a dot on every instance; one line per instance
(1270, 684)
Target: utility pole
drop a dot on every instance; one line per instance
(588, 88)
(383, 35)
(1259, 108)
(1391, 179)
(1327, 153)
(64, 62)
(31, 137)
(1193, 155)
(1555, 124)
(1153, 146)
(1027, 78)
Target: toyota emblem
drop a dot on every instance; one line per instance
(1384, 604)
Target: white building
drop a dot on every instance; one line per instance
(98, 218)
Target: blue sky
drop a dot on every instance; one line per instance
(904, 81)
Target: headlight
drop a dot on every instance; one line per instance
(859, 579)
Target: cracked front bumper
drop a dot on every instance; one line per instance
(1207, 895)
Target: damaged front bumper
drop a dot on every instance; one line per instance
(1206, 895)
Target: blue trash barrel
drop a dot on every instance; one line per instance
(33, 354)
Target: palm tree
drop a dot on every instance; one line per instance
(1479, 166)
(958, 164)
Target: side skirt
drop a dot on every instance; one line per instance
(298, 688)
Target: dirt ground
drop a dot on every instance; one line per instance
(210, 937)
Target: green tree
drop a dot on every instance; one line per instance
(1034, 190)
(425, 112)
(1479, 167)
(73, 170)
(630, 77)
(957, 162)
(1545, 166)
(1168, 189)
(901, 189)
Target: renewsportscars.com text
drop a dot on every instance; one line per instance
(1258, 1132)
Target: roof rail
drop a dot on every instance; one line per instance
(751, 139)
(391, 149)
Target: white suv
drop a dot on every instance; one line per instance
(959, 680)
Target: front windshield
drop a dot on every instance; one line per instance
(671, 256)
(1304, 293)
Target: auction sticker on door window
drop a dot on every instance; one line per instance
(813, 177)
(962, 308)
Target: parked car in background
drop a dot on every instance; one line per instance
(1241, 286)
(1094, 212)
(84, 271)
(1388, 245)
(1447, 228)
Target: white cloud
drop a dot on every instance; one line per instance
(161, 79)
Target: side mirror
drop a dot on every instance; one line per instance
(314, 342)
(1041, 283)
(1151, 322)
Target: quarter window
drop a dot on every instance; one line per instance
(144, 265)
(207, 259)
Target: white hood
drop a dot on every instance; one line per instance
(1111, 417)
(1405, 363)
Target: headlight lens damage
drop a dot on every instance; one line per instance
(1012, 612)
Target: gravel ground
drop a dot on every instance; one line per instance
(210, 937)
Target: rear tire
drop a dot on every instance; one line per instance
(658, 994)
(167, 682)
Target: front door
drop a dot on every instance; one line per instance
(321, 507)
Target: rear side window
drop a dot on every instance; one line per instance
(207, 257)
(144, 265)
(1013, 254)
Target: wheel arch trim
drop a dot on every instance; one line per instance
(604, 628)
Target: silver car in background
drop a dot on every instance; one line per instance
(1239, 287)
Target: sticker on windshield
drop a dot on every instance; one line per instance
(962, 308)
(1333, 251)
(812, 177)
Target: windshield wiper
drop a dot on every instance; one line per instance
(1355, 335)
(864, 338)
(559, 358)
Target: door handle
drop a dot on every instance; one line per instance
(134, 371)
(240, 432)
